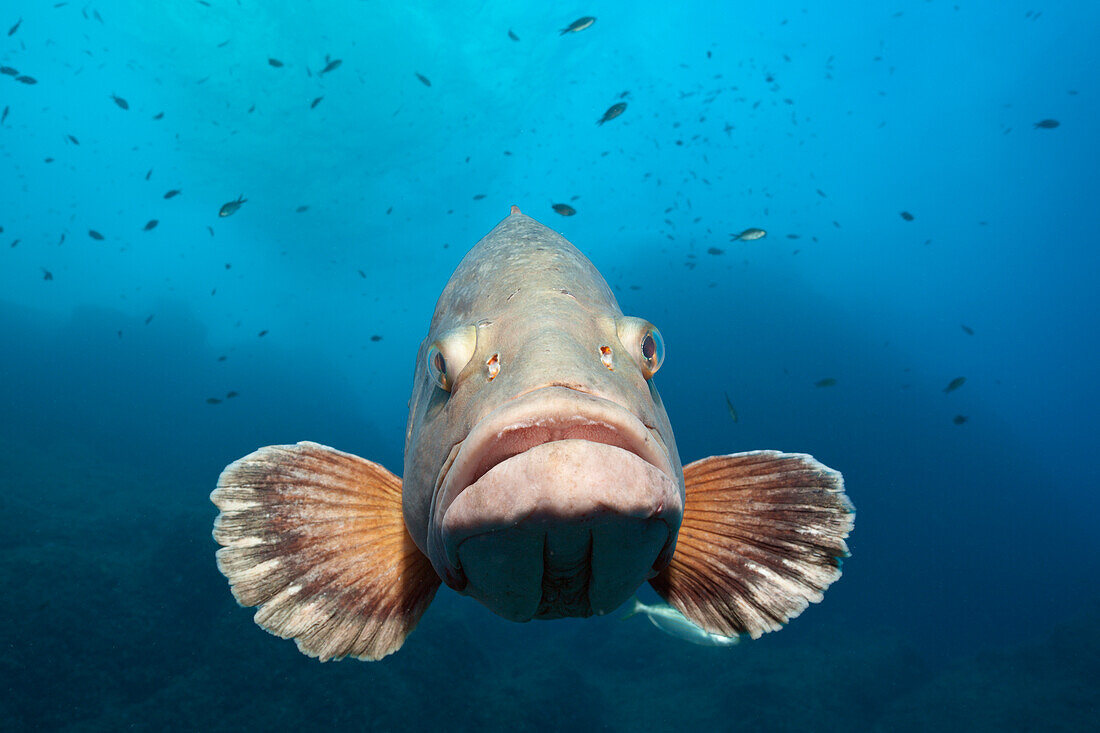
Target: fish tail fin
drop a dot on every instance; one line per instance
(762, 538)
(315, 539)
(634, 609)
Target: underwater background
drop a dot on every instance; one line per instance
(926, 175)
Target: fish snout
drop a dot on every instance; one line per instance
(564, 528)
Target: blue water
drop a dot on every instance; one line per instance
(969, 602)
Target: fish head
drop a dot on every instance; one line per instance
(541, 473)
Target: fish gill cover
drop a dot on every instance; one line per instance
(918, 310)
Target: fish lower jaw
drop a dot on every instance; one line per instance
(566, 528)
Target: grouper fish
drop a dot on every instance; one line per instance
(541, 478)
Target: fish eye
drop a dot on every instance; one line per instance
(437, 368)
(449, 354)
(652, 351)
(644, 342)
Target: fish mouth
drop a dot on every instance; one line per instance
(549, 493)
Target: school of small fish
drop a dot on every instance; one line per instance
(680, 220)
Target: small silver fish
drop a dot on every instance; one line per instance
(748, 235)
(578, 25)
(730, 407)
(228, 209)
(612, 112)
(675, 624)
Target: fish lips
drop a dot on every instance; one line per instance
(555, 474)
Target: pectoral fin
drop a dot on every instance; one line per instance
(315, 538)
(762, 537)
